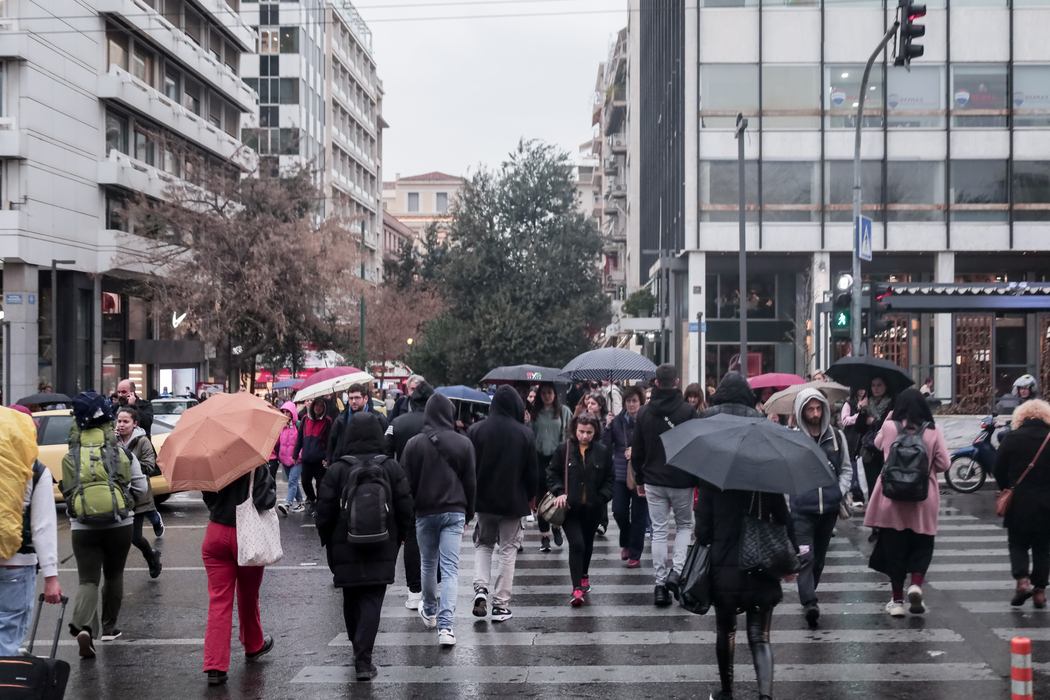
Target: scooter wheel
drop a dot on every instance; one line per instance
(965, 475)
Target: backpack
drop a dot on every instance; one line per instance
(367, 501)
(96, 474)
(906, 473)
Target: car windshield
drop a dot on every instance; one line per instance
(165, 407)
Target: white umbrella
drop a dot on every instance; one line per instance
(333, 386)
(783, 402)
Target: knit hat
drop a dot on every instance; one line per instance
(90, 409)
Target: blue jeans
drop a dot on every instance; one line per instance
(16, 606)
(153, 516)
(295, 492)
(439, 538)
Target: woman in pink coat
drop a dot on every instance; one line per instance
(906, 529)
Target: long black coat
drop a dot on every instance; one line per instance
(595, 477)
(1030, 507)
(367, 564)
(505, 463)
(719, 521)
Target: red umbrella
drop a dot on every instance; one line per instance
(326, 374)
(778, 380)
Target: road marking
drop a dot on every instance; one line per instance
(1036, 634)
(631, 673)
(647, 589)
(996, 606)
(565, 612)
(972, 538)
(973, 585)
(46, 643)
(957, 517)
(976, 526)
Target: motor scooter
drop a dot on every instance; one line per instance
(970, 466)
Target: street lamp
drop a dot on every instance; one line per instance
(54, 319)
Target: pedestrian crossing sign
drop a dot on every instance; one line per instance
(862, 238)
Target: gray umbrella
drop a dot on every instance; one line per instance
(748, 454)
(609, 365)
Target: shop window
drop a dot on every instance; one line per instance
(730, 3)
(761, 296)
(1011, 350)
(915, 191)
(1031, 185)
(727, 89)
(838, 186)
(1031, 98)
(138, 319)
(842, 95)
(978, 190)
(719, 190)
(915, 99)
(978, 95)
(790, 97)
(116, 133)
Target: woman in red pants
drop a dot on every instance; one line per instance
(225, 577)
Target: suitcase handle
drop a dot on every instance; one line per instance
(36, 624)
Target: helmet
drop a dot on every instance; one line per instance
(1027, 381)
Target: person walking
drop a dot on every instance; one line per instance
(505, 467)
(1023, 464)
(815, 512)
(127, 395)
(362, 571)
(580, 475)
(133, 438)
(906, 530)
(311, 449)
(668, 491)
(227, 578)
(613, 397)
(550, 424)
(871, 415)
(695, 396)
(358, 401)
(403, 404)
(629, 509)
(439, 464)
(38, 528)
(100, 505)
(284, 450)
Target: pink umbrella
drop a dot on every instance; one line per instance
(777, 380)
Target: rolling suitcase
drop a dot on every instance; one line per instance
(32, 678)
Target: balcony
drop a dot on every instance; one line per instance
(150, 24)
(120, 170)
(13, 43)
(615, 230)
(371, 240)
(345, 185)
(13, 143)
(618, 143)
(611, 167)
(231, 21)
(120, 86)
(616, 189)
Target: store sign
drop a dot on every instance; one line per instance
(962, 97)
(838, 97)
(13, 299)
(893, 100)
(177, 320)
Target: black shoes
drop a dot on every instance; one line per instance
(671, 584)
(155, 565)
(367, 673)
(545, 544)
(87, 646)
(217, 677)
(266, 647)
(812, 613)
(556, 531)
(601, 531)
(661, 596)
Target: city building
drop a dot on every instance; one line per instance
(321, 105)
(420, 200)
(956, 178)
(395, 236)
(125, 97)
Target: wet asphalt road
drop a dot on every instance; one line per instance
(620, 646)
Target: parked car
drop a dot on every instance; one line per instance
(170, 410)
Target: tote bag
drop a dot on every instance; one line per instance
(258, 534)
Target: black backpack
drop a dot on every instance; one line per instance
(367, 501)
(906, 473)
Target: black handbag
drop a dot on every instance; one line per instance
(765, 548)
(694, 587)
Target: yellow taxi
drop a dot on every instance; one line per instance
(52, 439)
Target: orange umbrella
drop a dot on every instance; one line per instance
(220, 441)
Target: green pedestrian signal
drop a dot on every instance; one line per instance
(842, 320)
(842, 313)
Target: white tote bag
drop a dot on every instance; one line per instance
(258, 534)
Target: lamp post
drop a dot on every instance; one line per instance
(54, 319)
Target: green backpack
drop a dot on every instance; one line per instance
(96, 474)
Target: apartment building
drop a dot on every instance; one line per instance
(321, 104)
(956, 177)
(420, 200)
(99, 99)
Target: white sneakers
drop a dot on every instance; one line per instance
(415, 601)
(895, 608)
(446, 638)
(915, 598)
(429, 621)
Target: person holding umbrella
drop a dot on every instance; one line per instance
(550, 423)
(906, 530)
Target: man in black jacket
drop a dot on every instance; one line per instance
(505, 451)
(439, 464)
(358, 399)
(127, 395)
(666, 489)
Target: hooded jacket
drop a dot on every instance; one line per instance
(439, 463)
(338, 440)
(407, 426)
(286, 442)
(666, 409)
(140, 446)
(733, 396)
(833, 442)
(312, 443)
(353, 564)
(505, 453)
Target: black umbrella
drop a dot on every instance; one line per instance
(44, 398)
(609, 365)
(748, 454)
(521, 373)
(857, 372)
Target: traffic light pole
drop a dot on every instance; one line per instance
(855, 305)
(741, 125)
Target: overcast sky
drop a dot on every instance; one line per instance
(460, 92)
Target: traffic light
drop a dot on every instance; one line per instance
(909, 31)
(841, 307)
(878, 307)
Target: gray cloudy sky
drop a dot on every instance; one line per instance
(460, 92)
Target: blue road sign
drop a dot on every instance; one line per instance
(862, 238)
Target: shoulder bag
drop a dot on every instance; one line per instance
(1006, 496)
(765, 547)
(258, 534)
(546, 509)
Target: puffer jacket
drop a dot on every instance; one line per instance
(312, 442)
(285, 450)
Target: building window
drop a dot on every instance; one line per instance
(232, 121)
(841, 96)
(727, 89)
(442, 201)
(232, 58)
(1031, 190)
(915, 99)
(116, 49)
(719, 190)
(723, 296)
(790, 191)
(171, 85)
(193, 26)
(115, 213)
(838, 185)
(289, 40)
(143, 147)
(215, 111)
(413, 201)
(1031, 98)
(269, 66)
(191, 98)
(790, 97)
(289, 91)
(978, 190)
(269, 40)
(978, 95)
(116, 133)
(215, 42)
(142, 66)
(915, 190)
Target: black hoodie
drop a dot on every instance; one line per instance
(733, 396)
(666, 409)
(439, 463)
(506, 457)
(408, 425)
